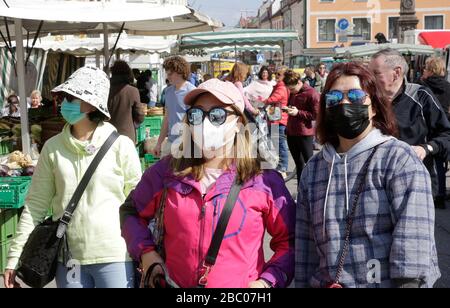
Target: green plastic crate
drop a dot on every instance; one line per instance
(150, 159)
(140, 133)
(4, 247)
(8, 224)
(147, 161)
(153, 126)
(6, 146)
(154, 121)
(13, 191)
(152, 132)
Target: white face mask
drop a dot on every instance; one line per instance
(211, 138)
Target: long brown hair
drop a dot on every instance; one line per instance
(239, 72)
(384, 119)
(247, 165)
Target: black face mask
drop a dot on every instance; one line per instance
(349, 120)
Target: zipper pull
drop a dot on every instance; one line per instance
(203, 210)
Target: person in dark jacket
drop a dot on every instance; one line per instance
(303, 109)
(310, 77)
(434, 78)
(124, 102)
(422, 122)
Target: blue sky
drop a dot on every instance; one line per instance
(228, 11)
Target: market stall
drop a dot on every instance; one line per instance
(237, 40)
(415, 55)
(369, 50)
(40, 17)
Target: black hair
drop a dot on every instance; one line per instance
(262, 70)
(97, 116)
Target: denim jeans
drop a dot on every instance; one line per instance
(107, 275)
(282, 147)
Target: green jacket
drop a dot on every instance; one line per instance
(94, 232)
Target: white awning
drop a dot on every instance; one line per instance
(86, 46)
(68, 17)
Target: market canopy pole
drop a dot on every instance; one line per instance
(97, 59)
(26, 149)
(105, 47)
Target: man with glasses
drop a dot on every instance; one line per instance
(421, 120)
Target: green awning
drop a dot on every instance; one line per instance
(369, 50)
(259, 48)
(236, 37)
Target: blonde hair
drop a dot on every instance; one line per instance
(36, 93)
(247, 166)
(436, 66)
(282, 70)
(239, 72)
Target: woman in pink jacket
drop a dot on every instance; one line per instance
(193, 192)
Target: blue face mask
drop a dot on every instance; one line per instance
(71, 112)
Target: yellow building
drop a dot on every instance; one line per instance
(366, 18)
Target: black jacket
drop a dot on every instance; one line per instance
(422, 120)
(441, 88)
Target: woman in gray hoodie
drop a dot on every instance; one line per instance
(365, 216)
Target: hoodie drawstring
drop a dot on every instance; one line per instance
(346, 185)
(326, 197)
(328, 191)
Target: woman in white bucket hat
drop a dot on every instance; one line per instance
(94, 236)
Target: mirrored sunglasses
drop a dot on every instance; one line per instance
(355, 96)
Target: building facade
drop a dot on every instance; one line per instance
(264, 14)
(326, 20)
(296, 13)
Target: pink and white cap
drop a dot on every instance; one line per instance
(224, 91)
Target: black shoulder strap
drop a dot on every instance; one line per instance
(65, 219)
(217, 239)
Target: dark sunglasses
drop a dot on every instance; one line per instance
(217, 115)
(335, 97)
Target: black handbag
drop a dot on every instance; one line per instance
(39, 259)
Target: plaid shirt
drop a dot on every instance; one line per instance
(393, 227)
